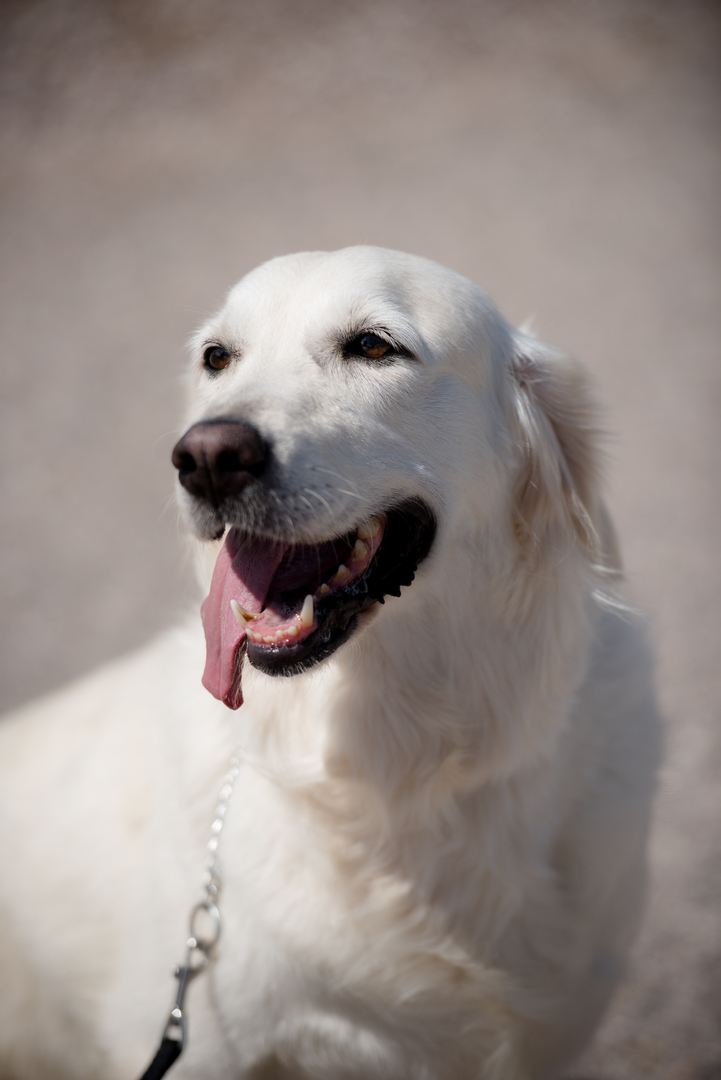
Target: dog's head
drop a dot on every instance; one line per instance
(352, 411)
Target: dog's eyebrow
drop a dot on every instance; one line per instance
(220, 341)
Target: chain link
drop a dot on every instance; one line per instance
(205, 925)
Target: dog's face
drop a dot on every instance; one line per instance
(349, 406)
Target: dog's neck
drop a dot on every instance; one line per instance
(401, 715)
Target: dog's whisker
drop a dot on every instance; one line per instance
(174, 432)
(320, 498)
(332, 472)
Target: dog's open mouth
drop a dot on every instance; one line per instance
(291, 605)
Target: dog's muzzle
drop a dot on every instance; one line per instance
(285, 604)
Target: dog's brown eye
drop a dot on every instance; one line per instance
(216, 358)
(373, 346)
(369, 345)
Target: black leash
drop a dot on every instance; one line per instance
(168, 1052)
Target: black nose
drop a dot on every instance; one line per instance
(217, 458)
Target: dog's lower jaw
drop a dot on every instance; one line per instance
(301, 601)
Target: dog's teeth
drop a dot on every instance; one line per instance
(324, 589)
(241, 614)
(306, 612)
(359, 552)
(269, 639)
(292, 631)
(342, 574)
(370, 528)
(238, 612)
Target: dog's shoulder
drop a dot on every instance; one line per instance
(612, 754)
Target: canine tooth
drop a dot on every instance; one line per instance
(370, 528)
(292, 631)
(360, 550)
(241, 613)
(306, 612)
(342, 574)
(238, 612)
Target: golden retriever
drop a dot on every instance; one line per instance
(433, 861)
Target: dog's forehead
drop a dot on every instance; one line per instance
(314, 293)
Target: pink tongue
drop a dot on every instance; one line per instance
(243, 572)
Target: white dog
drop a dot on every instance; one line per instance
(433, 859)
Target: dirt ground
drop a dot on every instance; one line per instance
(565, 154)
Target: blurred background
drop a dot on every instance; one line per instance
(563, 153)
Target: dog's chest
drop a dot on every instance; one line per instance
(325, 953)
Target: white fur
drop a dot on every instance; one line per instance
(434, 859)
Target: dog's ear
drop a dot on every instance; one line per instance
(556, 499)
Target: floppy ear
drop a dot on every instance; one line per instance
(556, 499)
